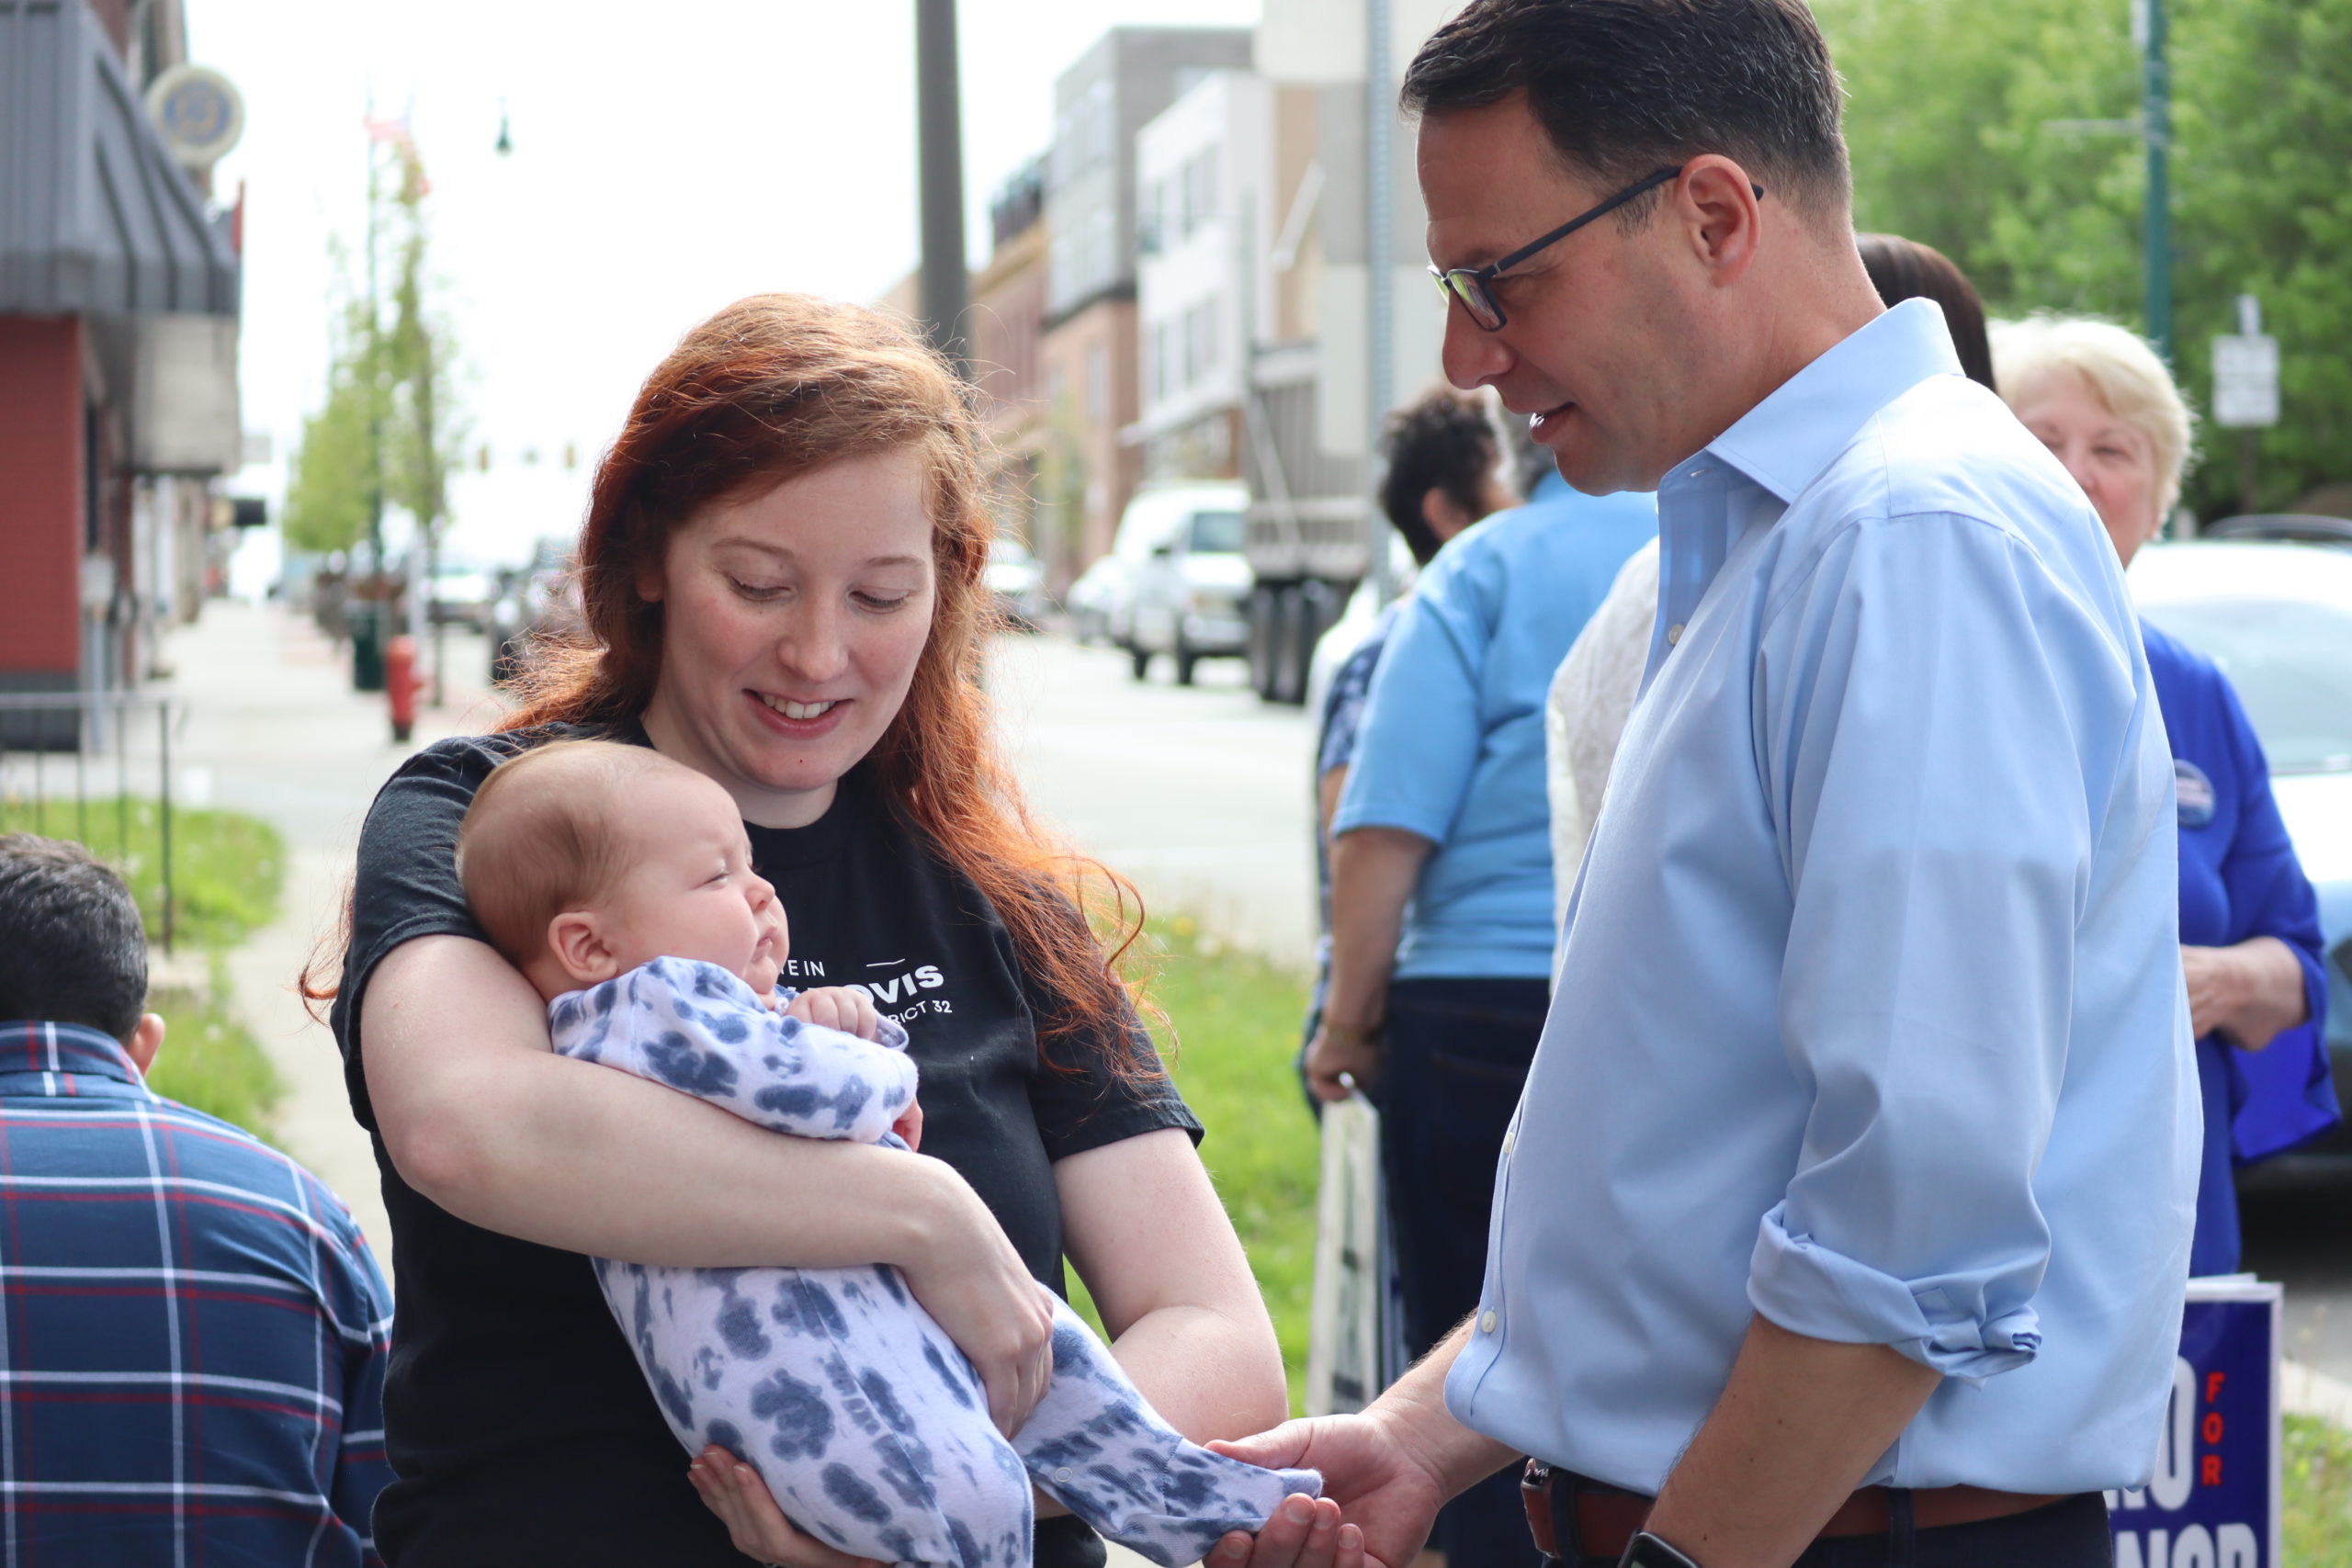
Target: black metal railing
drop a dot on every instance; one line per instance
(51, 739)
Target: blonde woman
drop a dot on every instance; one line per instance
(2102, 402)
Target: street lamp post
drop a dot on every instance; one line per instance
(939, 129)
(2155, 115)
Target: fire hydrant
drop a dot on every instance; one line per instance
(401, 683)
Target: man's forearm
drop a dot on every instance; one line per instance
(1373, 873)
(1800, 1423)
(1415, 1406)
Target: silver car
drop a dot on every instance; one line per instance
(1188, 584)
(2278, 618)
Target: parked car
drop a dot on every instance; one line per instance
(2299, 528)
(1190, 583)
(2277, 618)
(1100, 591)
(463, 594)
(540, 601)
(1015, 582)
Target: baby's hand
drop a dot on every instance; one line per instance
(845, 1008)
(910, 1124)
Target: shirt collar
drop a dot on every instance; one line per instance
(29, 1046)
(1786, 442)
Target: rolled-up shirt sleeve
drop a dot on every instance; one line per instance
(1939, 725)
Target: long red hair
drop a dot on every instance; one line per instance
(780, 385)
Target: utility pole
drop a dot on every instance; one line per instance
(2155, 115)
(939, 129)
(1380, 228)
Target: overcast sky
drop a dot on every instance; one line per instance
(666, 160)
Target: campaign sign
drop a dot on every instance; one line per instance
(2214, 1500)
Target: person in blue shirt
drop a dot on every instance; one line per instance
(1845, 1218)
(194, 1335)
(1441, 898)
(1442, 474)
(2102, 402)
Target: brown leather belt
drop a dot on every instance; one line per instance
(1603, 1518)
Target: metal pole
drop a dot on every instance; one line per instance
(939, 130)
(2156, 130)
(1380, 224)
(163, 735)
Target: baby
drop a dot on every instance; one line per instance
(620, 883)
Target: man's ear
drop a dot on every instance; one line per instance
(1718, 206)
(144, 1042)
(576, 942)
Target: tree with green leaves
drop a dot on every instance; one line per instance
(2004, 132)
(388, 431)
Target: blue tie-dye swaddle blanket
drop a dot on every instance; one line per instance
(866, 1423)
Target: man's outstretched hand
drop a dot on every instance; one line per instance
(1377, 1505)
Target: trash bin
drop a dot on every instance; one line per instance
(366, 619)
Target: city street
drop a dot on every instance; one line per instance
(1199, 795)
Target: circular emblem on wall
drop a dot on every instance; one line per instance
(2196, 793)
(199, 112)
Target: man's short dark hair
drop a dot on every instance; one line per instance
(1623, 87)
(1443, 442)
(72, 947)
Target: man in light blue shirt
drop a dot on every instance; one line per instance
(1846, 1216)
(1444, 829)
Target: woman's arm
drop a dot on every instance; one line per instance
(1142, 1225)
(481, 1116)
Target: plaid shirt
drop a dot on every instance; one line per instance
(192, 1330)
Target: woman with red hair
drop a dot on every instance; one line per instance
(781, 574)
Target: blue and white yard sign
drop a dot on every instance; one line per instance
(2215, 1501)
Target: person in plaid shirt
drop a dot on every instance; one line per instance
(192, 1330)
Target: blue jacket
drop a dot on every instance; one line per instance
(2239, 879)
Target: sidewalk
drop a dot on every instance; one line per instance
(275, 729)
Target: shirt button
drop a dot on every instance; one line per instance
(1674, 634)
(1486, 1320)
(1509, 1139)
(1062, 1474)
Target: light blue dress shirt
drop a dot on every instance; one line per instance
(1452, 746)
(1869, 1017)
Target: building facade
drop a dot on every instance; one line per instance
(119, 300)
(1008, 334)
(1200, 171)
(1090, 350)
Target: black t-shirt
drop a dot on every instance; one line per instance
(517, 1422)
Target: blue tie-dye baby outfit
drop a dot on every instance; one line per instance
(866, 1423)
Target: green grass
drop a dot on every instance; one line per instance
(227, 867)
(210, 1061)
(1235, 1020)
(2318, 1525)
(228, 870)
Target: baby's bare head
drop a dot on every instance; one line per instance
(582, 859)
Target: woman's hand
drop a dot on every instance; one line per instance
(2251, 993)
(1335, 1052)
(970, 1279)
(734, 1491)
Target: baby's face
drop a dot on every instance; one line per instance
(689, 890)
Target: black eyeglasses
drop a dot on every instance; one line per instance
(1474, 286)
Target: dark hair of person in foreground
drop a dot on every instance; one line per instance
(1441, 441)
(72, 947)
(1903, 269)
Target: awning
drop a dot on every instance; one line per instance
(94, 217)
